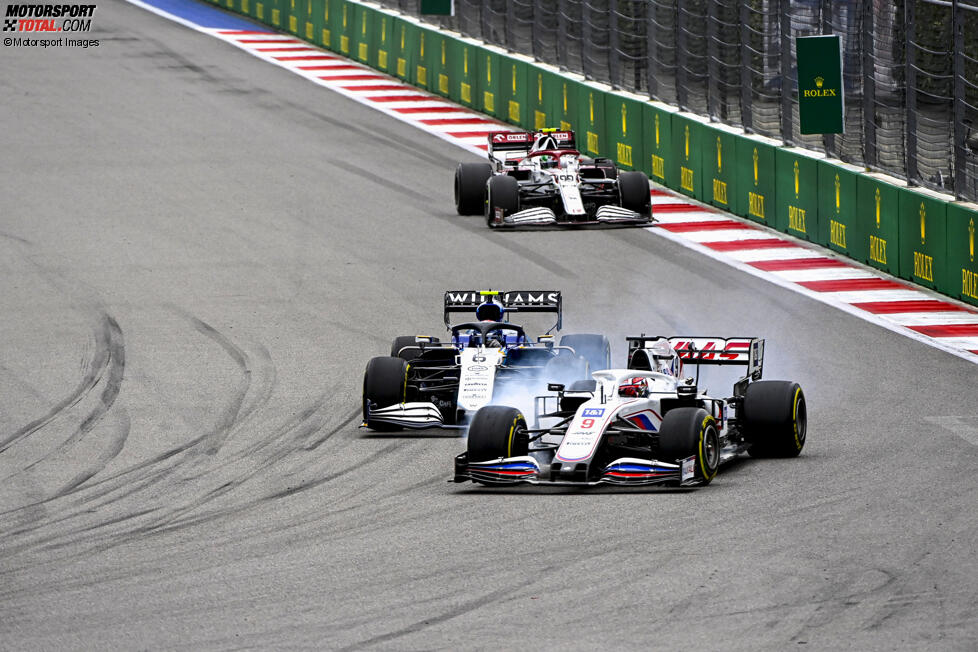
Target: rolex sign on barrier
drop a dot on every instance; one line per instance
(962, 256)
(591, 137)
(625, 131)
(687, 150)
(657, 140)
(923, 239)
(837, 224)
(796, 194)
(719, 168)
(878, 222)
(820, 90)
(755, 180)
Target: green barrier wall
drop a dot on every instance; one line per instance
(364, 35)
(564, 94)
(383, 36)
(837, 224)
(923, 239)
(539, 104)
(657, 138)
(514, 91)
(878, 222)
(488, 100)
(403, 48)
(590, 125)
(625, 126)
(903, 231)
(962, 257)
(755, 180)
(687, 146)
(719, 166)
(463, 72)
(796, 194)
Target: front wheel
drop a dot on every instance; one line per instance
(775, 416)
(502, 198)
(688, 432)
(470, 187)
(497, 431)
(635, 192)
(384, 384)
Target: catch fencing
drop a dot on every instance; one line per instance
(910, 67)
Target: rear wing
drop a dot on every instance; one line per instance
(519, 142)
(748, 351)
(512, 300)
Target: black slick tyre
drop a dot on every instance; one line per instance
(690, 431)
(594, 348)
(503, 195)
(470, 187)
(497, 431)
(384, 384)
(775, 418)
(635, 192)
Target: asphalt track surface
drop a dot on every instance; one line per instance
(199, 253)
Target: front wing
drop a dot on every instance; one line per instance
(623, 471)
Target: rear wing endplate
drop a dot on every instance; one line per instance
(512, 300)
(748, 351)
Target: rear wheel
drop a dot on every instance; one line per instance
(384, 384)
(775, 418)
(596, 349)
(503, 195)
(635, 192)
(470, 187)
(497, 431)
(688, 432)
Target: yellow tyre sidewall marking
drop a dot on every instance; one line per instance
(512, 433)
(794, 417)
(707, 421)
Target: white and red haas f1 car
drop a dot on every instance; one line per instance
(643, 425)
(540, 179)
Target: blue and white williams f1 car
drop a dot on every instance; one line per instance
(427, 383)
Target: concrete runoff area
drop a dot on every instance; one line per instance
(201, 252)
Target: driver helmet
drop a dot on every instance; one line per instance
(490, 310)
(634, 387)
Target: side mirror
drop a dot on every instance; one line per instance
(555, 387)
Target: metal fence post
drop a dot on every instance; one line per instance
(911, 101)
(712, 54)
(870, 156)
(682, 97)
(825, 25)
(614, 62)
(650, 79)
(746, 116)
(787, 129)
(960, 133)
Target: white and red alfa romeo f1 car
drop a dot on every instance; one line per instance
(540, 179)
